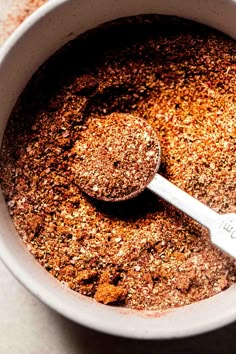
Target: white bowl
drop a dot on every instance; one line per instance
(40, 36)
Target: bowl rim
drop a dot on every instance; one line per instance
(37, 289)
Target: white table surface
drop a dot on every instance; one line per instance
(29, 327)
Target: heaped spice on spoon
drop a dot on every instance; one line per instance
(142, 253)
(116, 156)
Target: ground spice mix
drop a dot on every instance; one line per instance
(115, 157)
(141, 253)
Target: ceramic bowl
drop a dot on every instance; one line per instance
(40, 36)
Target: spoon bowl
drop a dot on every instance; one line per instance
(116, 157)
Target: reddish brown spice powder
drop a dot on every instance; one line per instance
(142, 253)
(115, 157)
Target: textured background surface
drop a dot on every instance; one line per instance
(29, 327)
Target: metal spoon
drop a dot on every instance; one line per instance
(222, 227)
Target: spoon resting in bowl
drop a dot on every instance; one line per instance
(118, 157)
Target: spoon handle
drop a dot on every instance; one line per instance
(183, 201)
(222, 227)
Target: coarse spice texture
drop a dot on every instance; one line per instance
(141, 253)
(116, 157)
